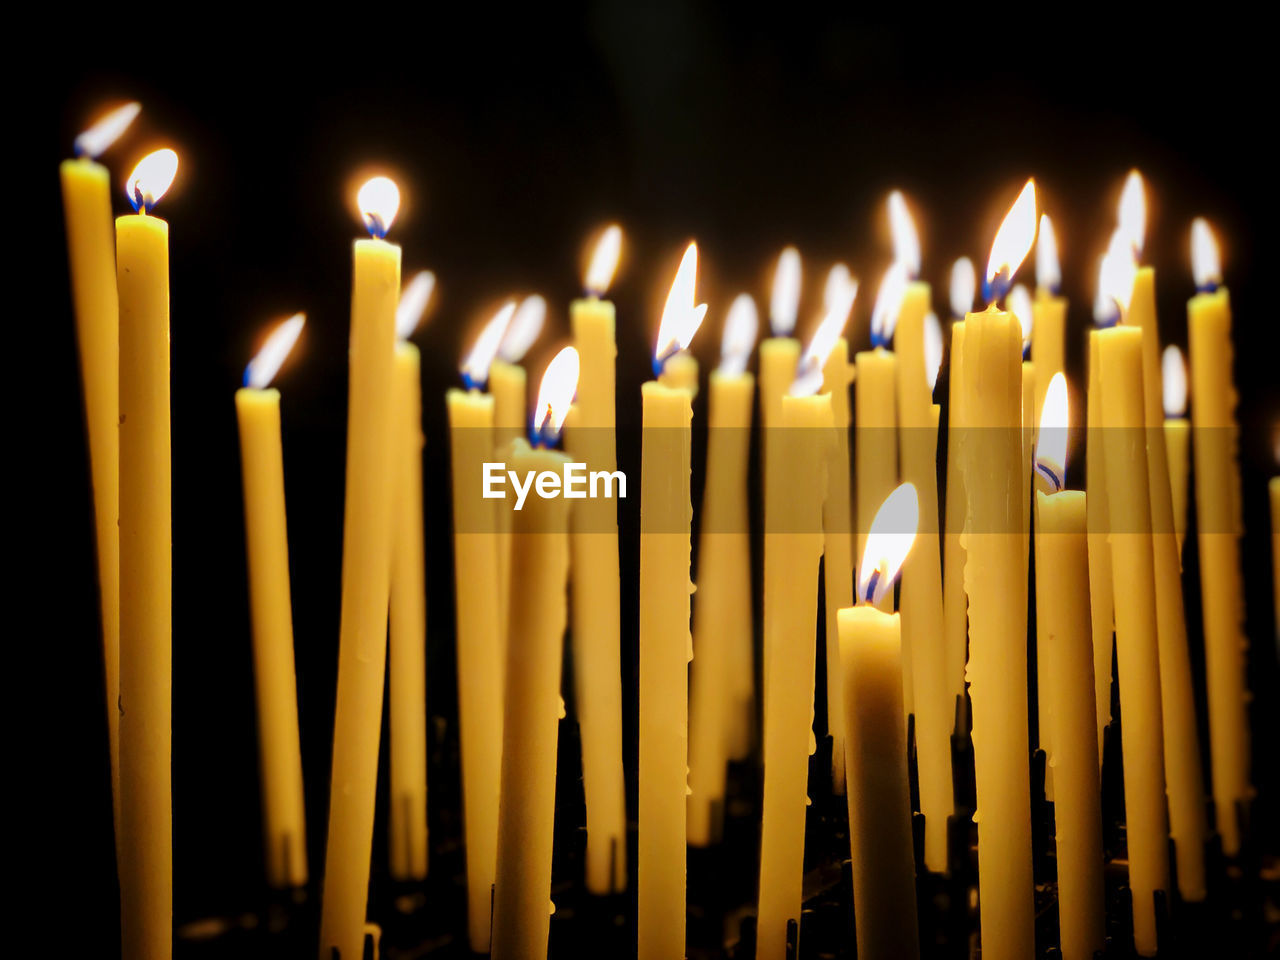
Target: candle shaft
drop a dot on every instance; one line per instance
(955, 610)
(1101, 596)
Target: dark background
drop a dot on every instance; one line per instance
(512, 138)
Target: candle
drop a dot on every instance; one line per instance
(1062, 611)
(86, 202)
(719, 704)
(540, 571)
(366, 577)
(1177, 435)
(995, 583)
(791, 617)
(1218, 525)
(275, 684)
(837, 514)
(507, 384)
(407, 823)
(481, 647)
(955, 609)
(1101, 597)
(597, 665)
(146, 567)
(665, 642)
(1049, 314)
(884, 894)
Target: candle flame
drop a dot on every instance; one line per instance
(413, 303)
(840, 291)
(1020, 307)
(1048, 269)
(906, 241)
(1206, 264)
(262, 369)
(151, 178)
(884, 315)
(1116, 274)
(932, 349)
(892, 533)
(1051, 442)
(378, 202)
(739, 337)
(95, 141)
(1133, 213)
(809, 371)
(475, 368)
(555, 394)
(785, 300)
(681, 317)
(1012, 244)
(604, 261)
(526, 325)
(1173, 374)
(964, 286)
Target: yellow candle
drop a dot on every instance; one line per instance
(955, 608)
(884, 897)
(597, 666)
(86, 202)
(876, 449)
(921, 598)
(1133, 576)
(791, 612)
(1218, 522)
(279, 752)
(1101, 596)
(146, 568)
(666, 513)
(1177, 444)
(1181, 740)
(995, 583)
(540, 572)
(681, 372)
(1049, 313)
(719, 705)
(1062, 619)
(366, 578)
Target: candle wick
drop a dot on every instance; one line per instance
(873, 583)
(1052, 474)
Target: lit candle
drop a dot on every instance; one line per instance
(1124, 441)
(366, 577)
(1049, 312)
(590, 436)
(719, 704)
(995, 582)
(665, 642)
(1218, 523)
(86, 202)
(146, 567)
(481, 649)
(275, 684)
(1101, 597)
(540, 573)
(837, 512)
(1062, 611)
(407, 823)
(791, 618)
(955, 607)
(1177, 435)
(921, 592)
(884, 891)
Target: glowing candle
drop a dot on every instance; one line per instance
(1177, 435)
(1049, 313)
(146, 567)
(407, 823)
(1101, 596)
(884, 894)
(921, 600)
(275, 684)
(86, 202)
(955, 610)
(719, 704)
(995, 582)
(1218, 524)
(597, 665)
(791, 614)
(540, 572)
(1062, 612)
(481, 649)
(366, 577)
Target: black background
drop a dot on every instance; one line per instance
(513, 136)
